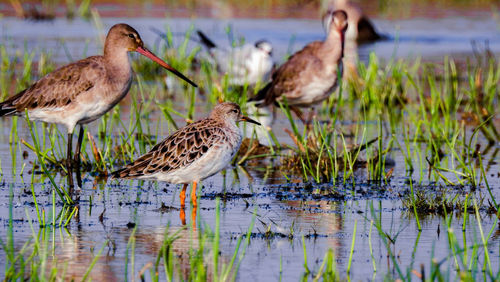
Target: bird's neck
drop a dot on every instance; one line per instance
(118, 63)
(333, 47)
(231, 125)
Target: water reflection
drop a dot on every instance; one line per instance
(74, 254)
(76, 251)
(325, 223)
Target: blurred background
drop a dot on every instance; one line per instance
(387, 9)
(424, 29)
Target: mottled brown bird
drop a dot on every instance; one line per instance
(83, 91)
(192, 153)
(310, 75)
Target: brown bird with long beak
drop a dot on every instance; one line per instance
(310, 75)
(83, 91)
(192, 153)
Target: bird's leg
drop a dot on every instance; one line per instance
(182, 216)
(78, 175)
(299, 114)
(182, 213)
(182, 196)
(68, 153)
(193, 217)
(71, 184)
(193, 194)
(310, 118)
(79, 146)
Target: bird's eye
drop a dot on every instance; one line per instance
(131, 36)
(234, 111)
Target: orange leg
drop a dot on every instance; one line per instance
(182, 216)
(193, 217)
(193, 194)
(182, 213)
(182, 196)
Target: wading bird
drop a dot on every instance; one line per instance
(83, 91)
(310, 75)
(192, 153)
(247, 64)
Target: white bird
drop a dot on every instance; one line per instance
(247, 64)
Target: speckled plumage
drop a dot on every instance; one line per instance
(193, 152)
(310, 75)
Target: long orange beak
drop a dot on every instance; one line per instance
(247, 119)
(153, 57)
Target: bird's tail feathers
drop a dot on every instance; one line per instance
(117, 173)
(7, 107)
(205, 40)
(6, 111)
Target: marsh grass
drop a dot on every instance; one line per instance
(468, 257)
(35, 258)
(422, 109)
(204, 261)
(465, 257)
(422, 102)
(437, 115)
(432, 200)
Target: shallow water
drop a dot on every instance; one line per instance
(311, 211)
(324, 219)
(411, 38)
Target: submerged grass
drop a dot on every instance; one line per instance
(38, 257)
(426, 111)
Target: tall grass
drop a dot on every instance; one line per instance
(437, 116)
(420, 108)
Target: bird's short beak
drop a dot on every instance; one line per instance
(143, 51)
(247, 119)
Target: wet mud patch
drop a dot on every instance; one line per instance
(227, 196)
